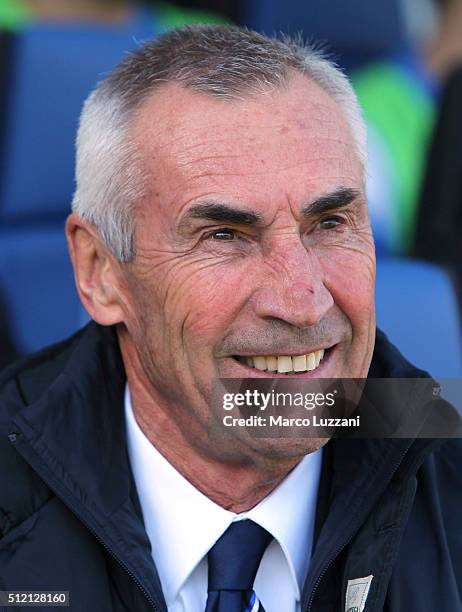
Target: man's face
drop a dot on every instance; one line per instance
(253, 241)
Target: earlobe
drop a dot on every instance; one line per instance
(94, 272)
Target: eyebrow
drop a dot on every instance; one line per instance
(222, 213)
(340, 198)
(225, 213)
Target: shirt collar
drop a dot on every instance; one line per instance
(183, 524)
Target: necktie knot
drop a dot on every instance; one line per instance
(234, 559)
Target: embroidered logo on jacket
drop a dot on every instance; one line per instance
(356, 594)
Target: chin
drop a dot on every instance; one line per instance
(288, 447)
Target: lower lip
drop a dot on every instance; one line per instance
(316, 373)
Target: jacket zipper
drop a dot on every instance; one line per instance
(356, 525)
(121, 563)
(63, 496)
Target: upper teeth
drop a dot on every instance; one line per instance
(286, 364)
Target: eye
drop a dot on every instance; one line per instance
(224, 234)
(331, 222)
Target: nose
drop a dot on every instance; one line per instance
(292, 287)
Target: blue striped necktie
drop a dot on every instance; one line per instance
(233, 564)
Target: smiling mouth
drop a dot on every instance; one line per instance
(284, 364)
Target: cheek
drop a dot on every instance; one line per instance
(193, 300)
(213, 300)
(350, 277)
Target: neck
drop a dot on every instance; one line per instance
(445, 51)
(236, 482)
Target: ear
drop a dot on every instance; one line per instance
(96, 271)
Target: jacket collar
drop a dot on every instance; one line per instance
(73, 436)
(79, 421)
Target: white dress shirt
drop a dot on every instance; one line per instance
(183, 524)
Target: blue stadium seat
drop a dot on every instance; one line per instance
(54, 69)
(37, 280)
(418, 310)
(355, 30)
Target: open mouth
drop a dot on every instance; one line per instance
(285, 364)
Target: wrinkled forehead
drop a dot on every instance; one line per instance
(292, 139)
(173, 110)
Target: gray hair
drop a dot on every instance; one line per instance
(226, 62)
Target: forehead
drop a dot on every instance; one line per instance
(285, 144)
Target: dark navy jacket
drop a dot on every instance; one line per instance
(70, 517)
